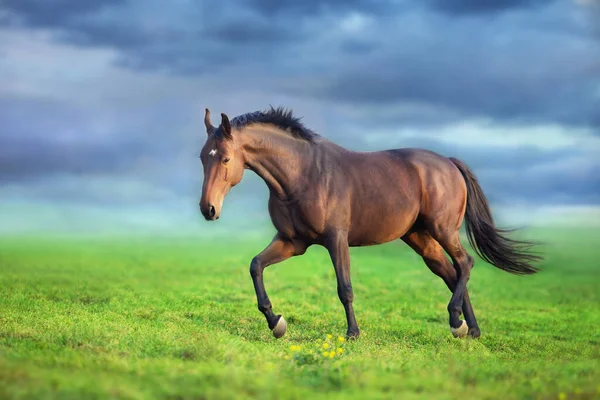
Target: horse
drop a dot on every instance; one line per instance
(323, 194)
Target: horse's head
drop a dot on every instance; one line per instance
(223, 164)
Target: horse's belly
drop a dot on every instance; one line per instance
(377, 229)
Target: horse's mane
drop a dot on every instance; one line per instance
(280, 117)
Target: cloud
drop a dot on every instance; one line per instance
(195, 38)
(470, 72)
(54, 13)
(367, 53)
(481, 7)
(301, 9)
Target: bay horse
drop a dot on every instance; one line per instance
(323, 194)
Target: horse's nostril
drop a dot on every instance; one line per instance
(211, 211)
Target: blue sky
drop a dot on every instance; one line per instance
(101, 102)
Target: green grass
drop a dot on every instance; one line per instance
(176, 318)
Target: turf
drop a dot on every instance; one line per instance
(176, 318)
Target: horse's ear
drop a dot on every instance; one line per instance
(209, 128)
(226, 126)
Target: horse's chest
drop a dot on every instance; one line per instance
(303, 219)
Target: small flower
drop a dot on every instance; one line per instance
(340, 350)
(325, 345)
(341, 339)
(331, 354)
(329, 336)
(325, 354)
(294, 348)
(562, 396)
(287, 357)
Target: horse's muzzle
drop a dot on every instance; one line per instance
(209, 212)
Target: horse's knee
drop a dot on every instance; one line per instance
(345, 293)
(256, 268)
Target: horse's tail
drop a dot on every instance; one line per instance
(489, 242)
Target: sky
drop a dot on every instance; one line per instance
(101, 102)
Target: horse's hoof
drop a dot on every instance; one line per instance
(461, 331)
(352, 335)
(280, 327)
(474, 332)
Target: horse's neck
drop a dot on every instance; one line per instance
(279, 159)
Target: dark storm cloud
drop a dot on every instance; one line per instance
(25, 159)
(239, 32)
(92, 33)
(315, 7)
(44, 139)
(80, 22)
(215, 34)
(358, 46)
(53, 13)
(483, 6)
(533, 72)
(474, 87)
(34, 147)
(75, 21)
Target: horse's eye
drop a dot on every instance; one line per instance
(226, 160)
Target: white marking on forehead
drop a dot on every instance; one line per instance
(212, 152)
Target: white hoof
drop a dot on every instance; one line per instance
(280, 328)
(461, 331)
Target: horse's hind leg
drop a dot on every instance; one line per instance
(433, 255)
(463, 263)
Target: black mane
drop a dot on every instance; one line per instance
(280, 117)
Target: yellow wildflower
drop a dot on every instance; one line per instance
(329, 336)
(340, 350)
(325, 354)
(325, 345)
(331, 354)
(341, 339)
(562, 396)
(294, 348)
(287, 357)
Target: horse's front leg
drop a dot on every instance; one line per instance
(279, 250)
(337, 245)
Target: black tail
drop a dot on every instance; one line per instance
(489, 242)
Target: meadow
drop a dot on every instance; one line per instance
(176, 318)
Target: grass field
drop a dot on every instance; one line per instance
(176, 318)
